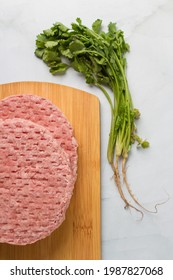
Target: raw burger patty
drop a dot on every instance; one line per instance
(35, 182)
(43, 112)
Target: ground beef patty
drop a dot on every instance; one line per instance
(43, 112)
(35, 182)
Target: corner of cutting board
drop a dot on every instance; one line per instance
(39, 83)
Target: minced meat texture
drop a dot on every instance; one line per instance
(36, 182)
(43, 112)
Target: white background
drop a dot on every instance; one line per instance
(152, 270)
(148, 28)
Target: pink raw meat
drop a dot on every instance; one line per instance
(43, 112)
(35, 182)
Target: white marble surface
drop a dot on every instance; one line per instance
(148, 27)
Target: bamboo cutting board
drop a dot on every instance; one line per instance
(79, 235)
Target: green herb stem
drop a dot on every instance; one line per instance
(106, 95)
(100, 57)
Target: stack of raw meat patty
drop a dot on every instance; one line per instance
(38, 168)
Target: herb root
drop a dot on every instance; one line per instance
(100, 56)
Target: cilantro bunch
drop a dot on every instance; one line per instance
(100, 57)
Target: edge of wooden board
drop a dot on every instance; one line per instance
(21, 83)
(46, 85)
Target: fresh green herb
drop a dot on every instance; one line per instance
(100, 57)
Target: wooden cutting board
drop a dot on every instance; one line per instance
(79, 236)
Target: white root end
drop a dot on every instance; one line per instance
(115, 169)
(131, 193)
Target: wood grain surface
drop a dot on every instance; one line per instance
(78, 238)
